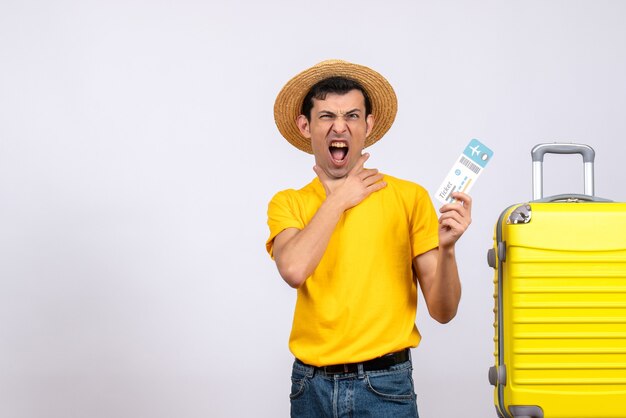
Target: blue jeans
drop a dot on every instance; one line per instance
(379, 394)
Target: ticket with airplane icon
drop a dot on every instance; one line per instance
(465, 171)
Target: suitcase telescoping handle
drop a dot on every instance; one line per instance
(540, 150)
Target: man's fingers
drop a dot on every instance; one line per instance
(374, 178)
(359, 165)
(464, 207)
(465, 199)
(378, 185)
(455, 219)
(453, 216)
(367, 173)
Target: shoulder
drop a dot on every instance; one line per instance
(297, 196)
(413, 197)
(311, 188)
(405, 186)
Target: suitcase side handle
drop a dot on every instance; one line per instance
(540, 150)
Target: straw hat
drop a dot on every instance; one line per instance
(289, 101)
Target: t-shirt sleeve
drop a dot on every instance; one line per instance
(281, 214)
(424, 224)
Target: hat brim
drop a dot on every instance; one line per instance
(288, 104)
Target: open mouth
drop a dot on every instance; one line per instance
(338, 150)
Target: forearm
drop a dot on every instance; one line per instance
(298, 255)
(445, 291)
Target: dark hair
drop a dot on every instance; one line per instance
(337, 85)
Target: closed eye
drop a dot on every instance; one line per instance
(326, 116)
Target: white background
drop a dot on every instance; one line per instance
(138, 153)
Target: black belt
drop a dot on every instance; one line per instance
(380, 363)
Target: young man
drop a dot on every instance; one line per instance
(356, 243)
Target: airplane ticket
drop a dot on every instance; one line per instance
(465, 171)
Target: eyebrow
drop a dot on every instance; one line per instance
(328, 112)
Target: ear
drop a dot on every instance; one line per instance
(369, 124)
(304, 126)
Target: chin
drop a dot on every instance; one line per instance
(338, 173)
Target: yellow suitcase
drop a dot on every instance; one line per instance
(560, 302)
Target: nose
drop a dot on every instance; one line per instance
(340, 125)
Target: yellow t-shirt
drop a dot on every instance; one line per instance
(360, 302)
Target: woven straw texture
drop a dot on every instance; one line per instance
(289, 100)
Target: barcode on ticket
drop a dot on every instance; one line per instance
(465, 171)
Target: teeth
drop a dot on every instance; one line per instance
(339, 145)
